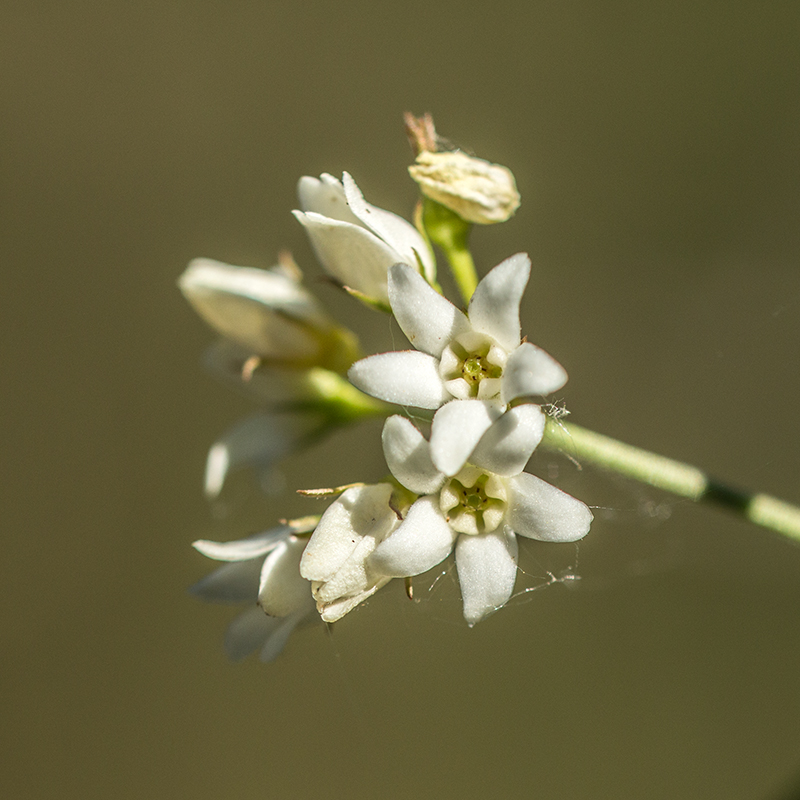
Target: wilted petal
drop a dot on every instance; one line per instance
(487, 569)
(407, 378)
(494, 308)
(263, 310)
(402, 236)
(423, 540)
(429, 320)
(259, 441)
(282, 590)
(530, 371)
(508, 444)
(360, 512)
(243, 549)
(456, 430)
(540, 511)
(408, 456)
(475, 189)
(236, 582)
(351, 254)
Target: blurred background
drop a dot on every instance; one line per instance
(656, 150)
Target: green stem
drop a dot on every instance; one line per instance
(673, 476)
(450, 233)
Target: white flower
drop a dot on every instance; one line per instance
(356, 242)
(476, 190)
(476, 358)
(263, 570)
(478, 511)
(268, 312)
(336, 560)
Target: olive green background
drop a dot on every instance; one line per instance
(656, 149)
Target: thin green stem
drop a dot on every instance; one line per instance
(463, 268)
(673, 476)
(450, 234)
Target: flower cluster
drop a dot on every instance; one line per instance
(458, 486)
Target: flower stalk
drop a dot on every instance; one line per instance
(670, 475)
(450, 233)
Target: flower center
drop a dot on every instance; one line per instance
(474, 501)
(472, 366)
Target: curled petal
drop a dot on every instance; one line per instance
(325, 196)
(538, 510)
(244, 549)
(408, 378)
(494, 308)
(408, 456)
(429, 320)
(530, 371)
(282, 590)
(487, 569)
(360, 512)
(508, 444)
(333, 610)
(400, 235)
(423, 540)
(456, 430)
(351, 254)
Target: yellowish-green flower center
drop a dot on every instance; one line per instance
(474, 501)
(471, 366)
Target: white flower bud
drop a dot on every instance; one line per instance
(475, 189)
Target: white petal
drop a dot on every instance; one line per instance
(352, 576)
(494, 308)
(259, 441)
(282, 590)
(351, 254)
(423, 540)
(408, 456)
(530, 371)
(506, 447)
(244, 549)
(236, 582)
(278, 637)
(402, 236)
(262, 310)
(429, 320)
(407, 377)
(456, 430)
(359, 512)
(248, 632)
(325, 196)
(487, 569)
(540, 511)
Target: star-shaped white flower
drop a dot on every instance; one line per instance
(262, 570)
(479, 511)
(336, 560)
(357, 242)
(475, 358)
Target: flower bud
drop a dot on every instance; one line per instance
(473, 188)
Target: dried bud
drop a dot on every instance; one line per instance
(475, 189)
